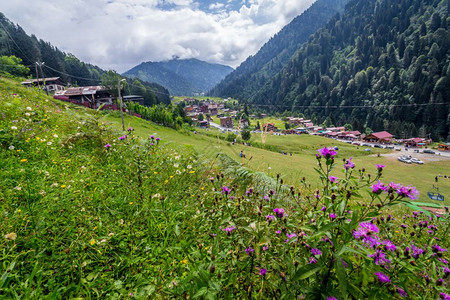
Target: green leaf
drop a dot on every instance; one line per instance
(415, 207)
(177, 230)
(6, 274)
(201, 292)
(342, 276)
(306, 271)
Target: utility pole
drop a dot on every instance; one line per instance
(40, 64)
(37, 75)
(120, 102)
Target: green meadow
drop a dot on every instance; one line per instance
(301, 163)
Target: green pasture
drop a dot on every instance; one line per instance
(302, 162)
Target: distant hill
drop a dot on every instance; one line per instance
(257, 70)
(182, 77)
(15, 41)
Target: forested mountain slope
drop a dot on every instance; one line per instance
(384, 64)
(254, 72)
(181, 76)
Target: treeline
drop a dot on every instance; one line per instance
(257, 70)
(167, 115)
(14, 42)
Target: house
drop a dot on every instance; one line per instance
(244, 123)
(416, 142)
(226, 122)
(294, 121)
(133, 98)
(90, 96)
(382, 137)
(213, 110)
(269, 127)
(51, 84)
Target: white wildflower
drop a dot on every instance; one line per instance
(49, 143)
(29, 108)
(13, 127)
(11, 147)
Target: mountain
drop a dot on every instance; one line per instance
(257, 70)
(182, 77)
(384, 64)
(30, 49)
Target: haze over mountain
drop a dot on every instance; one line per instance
(182, 77)
(256, 70)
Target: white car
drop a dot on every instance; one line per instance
(405, 159)
(417, 161)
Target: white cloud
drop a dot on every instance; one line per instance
(120, 34)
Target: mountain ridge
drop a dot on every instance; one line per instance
(182, 77)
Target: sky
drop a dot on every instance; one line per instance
(120, 34)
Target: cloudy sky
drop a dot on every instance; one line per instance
(119, 34)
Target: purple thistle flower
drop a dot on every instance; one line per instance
(388, 245)
(312, 260)
(270, 218)
(408, 191)
(225, 190)
(437, 248)
(262, 272)
(324, 208)
(402, 292)
(333, 179)
(130, 129)
(158, 139)
(278, 232)
(152, 137)
(327, 153)
(249, 250)
(266, 198)
(383, 278)
(228, 230)
(332, 298)
(249, 191)
(316, 251)
(444, 296)
(446, 270)
(123, 137)
(380, 258)
(333, 216)
(291, 235)
(380, 167)
(378, 188)
(416, 251)
(279, 212)
(107, 146)
(265, 248)
(349, 164)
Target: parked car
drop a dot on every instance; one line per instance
(389, 147)
(365, 145)
(417, 161)
(405, 159)
(368, 149)
(398, 149)
(429, 151)
(378, 146)
(356, 143)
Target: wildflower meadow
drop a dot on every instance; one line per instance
(91, 212)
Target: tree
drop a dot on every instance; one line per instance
(246, 135)
(231, 137)
(13, 65)
(110, 80)
(201, 117)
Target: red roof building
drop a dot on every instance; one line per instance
(383, 137)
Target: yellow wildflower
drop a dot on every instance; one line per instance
(155, 172)
(184, 261)
(192, 172)
(166, 181)
(68, 160)
(38, 138)
(131, 203)
(92, 242)
(63, 186)
(23, 160)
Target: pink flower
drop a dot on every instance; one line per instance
(333, 179)
(349, 164)
(382, 278)
(327, 153)
(262, 272)
(378, 188)
(107, 146)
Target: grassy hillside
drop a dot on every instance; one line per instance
(92, 212)
(294, 168)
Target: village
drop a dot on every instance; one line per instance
(210, 113)
(206, 113)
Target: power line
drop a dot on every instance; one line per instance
(20, 49)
